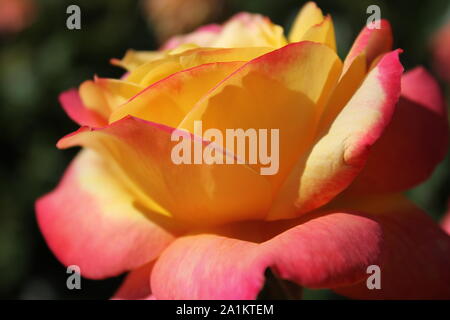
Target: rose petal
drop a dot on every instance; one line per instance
(134, 59)
(242, 30)
(338, 157)
(322, 252)
(175, 61)
(76, 110)
(193, 194)
(250, 30)
(169, 100)
(329, 249)
(415, 256)
(203, 37)
(136, 285)
(445, 223)
(90, 220)
(415, 141)
(347, 86)
(420, 87)
(322, 33)
(372, 42)
(116, 92)
(285, 96)
(308, 16)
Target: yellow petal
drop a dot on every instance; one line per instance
(280, 90)
(193, 195)
(339, 155)
(105, 95)
(153, 71)
(134, 59)
(169, 100)
(93, 98)
(322, 33)
(347, 86)
(117, 91)
(250, 30)
(309, 16)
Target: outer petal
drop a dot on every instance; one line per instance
(372, 42)
(446, 223)
(193, 194)
(415, 141)
(415, 256)
(136, 285)
(76, 110)
(89, 220)
(420, 87)
(93, 103)
(339, 156)
(324, 251)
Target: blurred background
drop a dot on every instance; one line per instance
(40, 57)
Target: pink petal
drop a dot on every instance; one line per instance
(328, 250)
(420, 87)
(75, 109)
(202, 37)
(324, 251)
(372, 42)
(90, 220)
(242, 30)
(445, 223)
(341, 153)
(415, 256)
(415, 141)
(136, 285)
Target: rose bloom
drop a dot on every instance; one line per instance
(16, 15)
(440, 46)
(353, 135)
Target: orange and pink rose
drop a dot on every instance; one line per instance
(354, 134)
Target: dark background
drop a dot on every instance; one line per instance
(45, 58)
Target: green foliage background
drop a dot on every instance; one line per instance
(47, 58)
